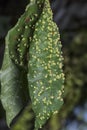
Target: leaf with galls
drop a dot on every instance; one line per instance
(33, 61)
(45, 75)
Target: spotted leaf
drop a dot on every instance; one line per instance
(21, 34)
(14, 94)
(45, 75)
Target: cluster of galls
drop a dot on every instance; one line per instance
(19, 37)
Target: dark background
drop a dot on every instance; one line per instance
(71, 18)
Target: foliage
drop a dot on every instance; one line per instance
(73, 89)
(33, 62)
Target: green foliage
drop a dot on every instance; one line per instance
(20, 36)
(32, 65)
(12, 94)
(45, 75)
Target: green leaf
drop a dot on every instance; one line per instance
(14, 93)
(13, 96)
(45, 76)
(21, 34)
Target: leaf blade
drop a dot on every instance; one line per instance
(45, 76)
(11, 86)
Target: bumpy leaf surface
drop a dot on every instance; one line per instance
(45, 76)
(21, 34)
(14, 93)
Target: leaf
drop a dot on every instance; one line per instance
(45, 76)
(12, 95)
(21, 34)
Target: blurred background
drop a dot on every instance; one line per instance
(71, 18)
